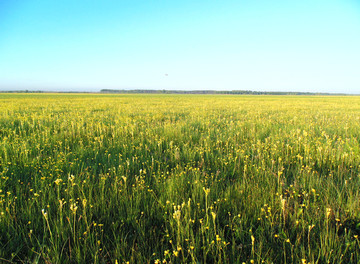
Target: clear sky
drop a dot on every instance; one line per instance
(307, 45)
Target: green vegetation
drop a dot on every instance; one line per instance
(88, 178)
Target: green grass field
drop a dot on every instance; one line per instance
(90, 178)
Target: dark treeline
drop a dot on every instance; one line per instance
(144, 91)
(22, 91)
(211, 92)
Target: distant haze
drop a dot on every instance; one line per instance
(88, 45)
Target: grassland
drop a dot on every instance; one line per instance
(179, 179)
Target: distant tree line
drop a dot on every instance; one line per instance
(143, 91)
(21, 91)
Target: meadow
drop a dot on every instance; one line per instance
(94, 178)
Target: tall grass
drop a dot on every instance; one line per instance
(179, 179)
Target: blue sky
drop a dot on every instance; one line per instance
(308, 45)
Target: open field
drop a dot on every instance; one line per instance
(88, 178)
